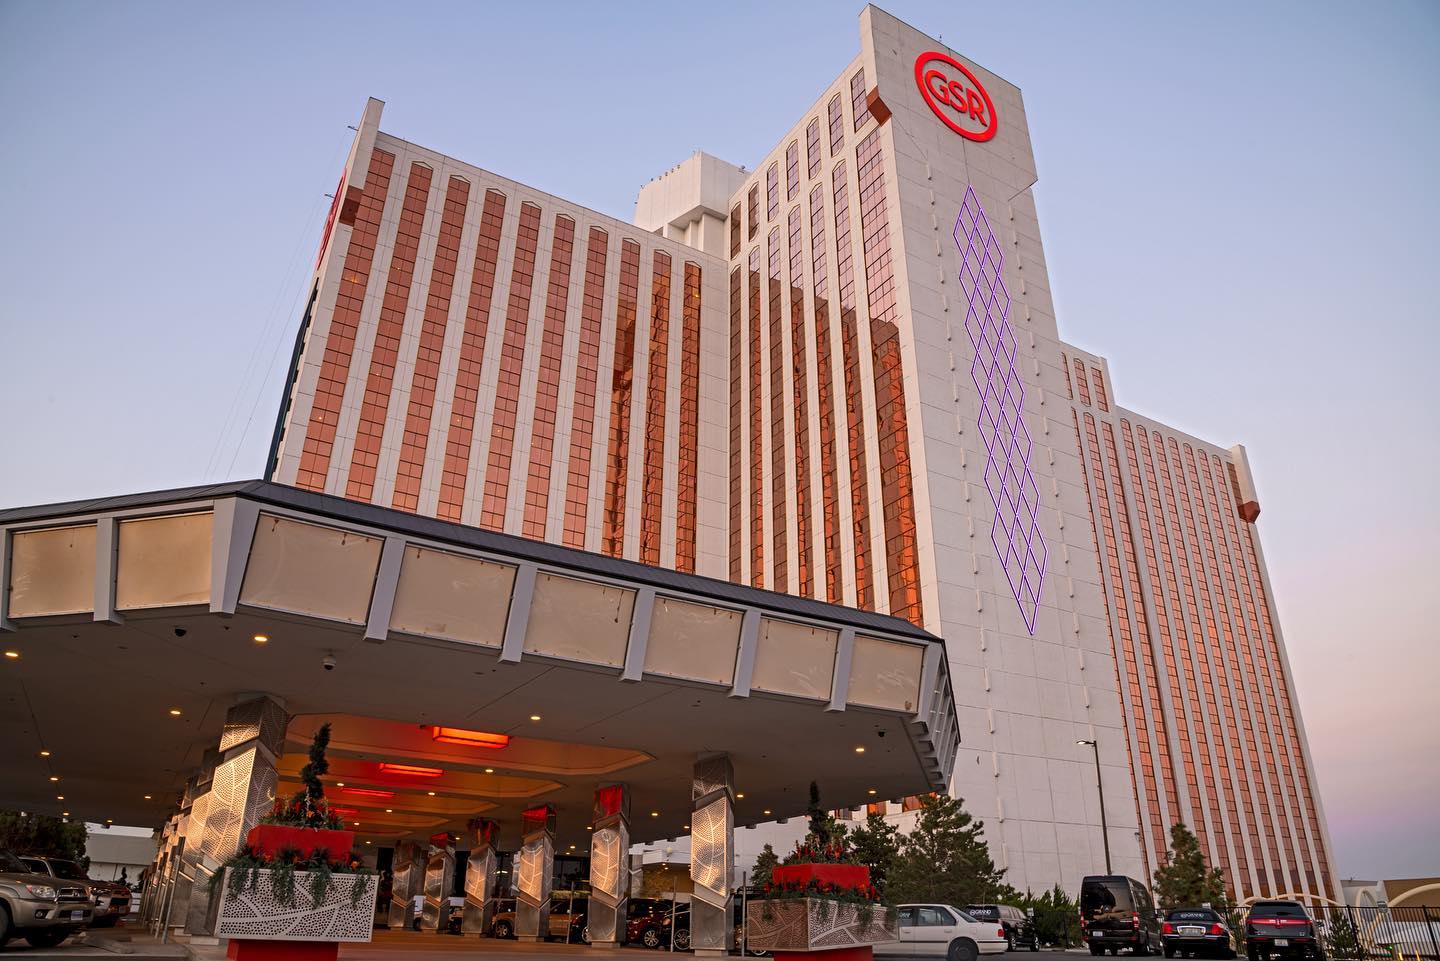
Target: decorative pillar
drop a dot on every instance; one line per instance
(242, 791)
(534, 868)
(609, 866)
(479, 911)
(439, 880)
(712, 853)
(405, 876)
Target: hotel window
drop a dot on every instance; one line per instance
(735, 230)
(753, 211)
(792, 169)
(857, 99)
(772, 192)
(836, 116)
(812, 147)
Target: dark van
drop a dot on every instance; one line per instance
(1117, 912)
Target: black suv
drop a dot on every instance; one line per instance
(1117, 912)
(1281, 929)
(1194, 931)
(1019, 927)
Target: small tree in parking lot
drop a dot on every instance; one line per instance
(765, 863)
(876, 844)
(25, 833)
(1056, 921)
(1184, 879)
(945, 859)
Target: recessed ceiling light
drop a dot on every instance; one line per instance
(654, 814)
(489, 770)
(687, 827)
(367, 842)
(431, 793)
(739, 796)
(339, 783)
(174, 712)
(44, 753)
(859, 749)
(572, 847)
(872, 791)
(355, 823)
(389, 810)
(59, 797)
(589, 827)
(13, 655)
(64, 814)
(261, 638)
(766, 811)
(533, 717)
(108, 821)
(147, 797)
(54, 778)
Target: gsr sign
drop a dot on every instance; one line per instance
(956, 97)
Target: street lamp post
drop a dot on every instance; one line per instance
(1104, 828)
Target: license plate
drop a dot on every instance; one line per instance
(1192, 931)
(1282, 943)
(76, 915)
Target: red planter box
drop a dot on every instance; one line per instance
(840, 875)
(270, 839)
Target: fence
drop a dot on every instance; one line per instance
(1379, 932)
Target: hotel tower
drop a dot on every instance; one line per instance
(836, 372)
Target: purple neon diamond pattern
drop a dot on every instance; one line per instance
(1016, 534)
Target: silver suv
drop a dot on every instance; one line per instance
(39, 908)
(112, 899)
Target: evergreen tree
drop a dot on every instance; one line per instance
(876, 845)
(945, 859)
(1342, 936)
(44, 835)
(764, 864)
(1184, 880)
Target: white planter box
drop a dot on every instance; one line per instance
(255, 915)
(816, 924)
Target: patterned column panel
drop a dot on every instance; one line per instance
(534, 865)
(406, 872)
(242, 790)
(479, 911)
(439, 879)
(609, 864)
(712, 852)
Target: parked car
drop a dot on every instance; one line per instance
(1281, 929)
(943, 931)
(111, 899)
(648, 923)
(1117, 912)
(1019, 926)
(502, 925)
(1192, 932)
(567, 918)
(39, 908)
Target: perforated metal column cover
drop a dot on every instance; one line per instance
(712, 851)
(609, 864)
(483, 835)
(439, 879)
(534, 865)
(405, 878)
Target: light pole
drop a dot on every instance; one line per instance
(1104, 829)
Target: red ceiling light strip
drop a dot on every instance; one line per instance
(410, 770)
(456, 735)
(367, 792)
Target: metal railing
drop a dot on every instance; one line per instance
(1401, 933)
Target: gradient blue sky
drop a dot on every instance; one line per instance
(1238, 203)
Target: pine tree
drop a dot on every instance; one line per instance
(311, 797)
(764, 866)
(876, 845)
(945, 859)
(1184, 880)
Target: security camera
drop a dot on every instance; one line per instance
(880, 733)
(180, 632)
(328, 662)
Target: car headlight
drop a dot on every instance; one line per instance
(44, 891)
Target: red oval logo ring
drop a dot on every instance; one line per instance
(954, 95)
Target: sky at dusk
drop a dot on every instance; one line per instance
(1238, 202)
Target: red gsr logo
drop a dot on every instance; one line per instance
(955, 96)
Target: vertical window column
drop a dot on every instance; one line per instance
(825, 390)
(854, 399)
(587, 375)
(737, 424)
(779, 484)
(655, 386)
(547, 380)
(804, 533)
(757, 432)
(689, 420)
(622, 387)
(461, 434)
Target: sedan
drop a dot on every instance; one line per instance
(1192, 932)
(943, 931)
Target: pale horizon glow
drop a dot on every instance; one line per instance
(1238, 205)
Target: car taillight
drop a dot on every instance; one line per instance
(1135, 921)
(1167, 928)
(1000, 933)
(1216, 929)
